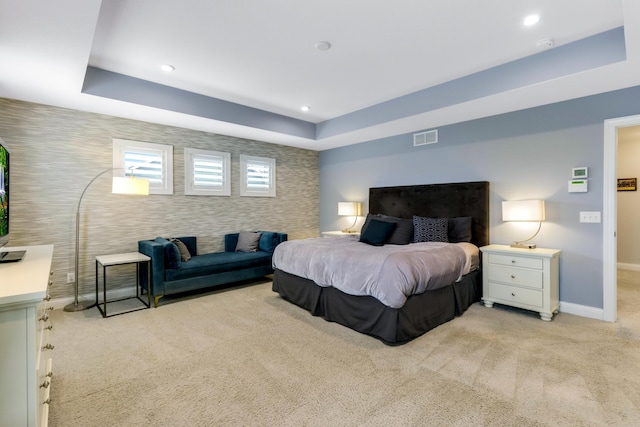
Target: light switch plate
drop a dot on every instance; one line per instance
(590, 217)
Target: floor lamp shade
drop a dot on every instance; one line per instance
(120, 185)
(130, 185)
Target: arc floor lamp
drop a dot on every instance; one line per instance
(120, 185)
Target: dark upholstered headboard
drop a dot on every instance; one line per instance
(437, 201)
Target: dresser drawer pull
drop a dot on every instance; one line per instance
(49, 308)
(48, 347)
(513, 261)
(50, 327)
(45, 384)
(44, 317)
(50, 282)
(49, 374)
(46, 402)
(513, 294)
(513, 276)
(48, 298)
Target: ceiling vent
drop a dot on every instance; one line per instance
(424, 138)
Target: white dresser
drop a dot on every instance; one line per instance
(524, 278)
(25, 348)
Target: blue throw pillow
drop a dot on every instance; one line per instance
(268, 241)
(377, 232)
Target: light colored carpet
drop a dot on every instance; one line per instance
(244, 357)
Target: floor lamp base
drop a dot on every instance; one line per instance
(79, 306)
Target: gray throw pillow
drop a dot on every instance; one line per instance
(248, 241)
(185, 255)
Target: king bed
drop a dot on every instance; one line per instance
(343, 280)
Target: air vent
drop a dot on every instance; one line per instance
(424, 138)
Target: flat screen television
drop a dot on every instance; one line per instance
(4, 195)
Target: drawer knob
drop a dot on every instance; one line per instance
(46, 402)
(49, 374)
(48, 298)
(513, 261)
(49, 308)
(44, 317)
(48, 347)
(45, 384)
(513, 294)
(513, 276)
(50, 327)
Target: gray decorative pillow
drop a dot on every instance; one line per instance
(430, 229)
(248, 241)
(185, 255)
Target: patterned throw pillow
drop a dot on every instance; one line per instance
(430, 229)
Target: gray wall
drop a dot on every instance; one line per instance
(55, 152)
(525, 155)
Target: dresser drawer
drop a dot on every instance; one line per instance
(515, 276)
(516, 261)
(515, 295)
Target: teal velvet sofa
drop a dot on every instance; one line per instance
(171, 275)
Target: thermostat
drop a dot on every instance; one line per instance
(578, 186)
(580, 173)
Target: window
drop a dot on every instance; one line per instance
(258, 176)
(145, 160)
(206, 173)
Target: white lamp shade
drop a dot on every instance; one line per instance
(130, 185)
(349, 208)
(523, 210)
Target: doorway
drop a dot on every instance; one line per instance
(610, 212)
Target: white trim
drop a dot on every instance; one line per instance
(190, 187)
(582, 310)
(161, 151)
(630, 267)
(245, 188)
(609, 215)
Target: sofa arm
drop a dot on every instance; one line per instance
(155, 251)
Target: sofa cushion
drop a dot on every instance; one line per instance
(172, 257)
(248, 241)
(218, 262)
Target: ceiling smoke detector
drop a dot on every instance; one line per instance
(323, 46)
(545, 44)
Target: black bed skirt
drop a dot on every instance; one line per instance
(367, 315)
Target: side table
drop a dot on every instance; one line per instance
(120, 259)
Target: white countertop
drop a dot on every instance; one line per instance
(26, 280)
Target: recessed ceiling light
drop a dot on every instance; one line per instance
(305, 108)
(167, 68)
(323, 45)
(531, 20)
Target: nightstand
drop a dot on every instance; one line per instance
(339, 233)
(523, 278)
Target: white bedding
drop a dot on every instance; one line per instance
(389, 273)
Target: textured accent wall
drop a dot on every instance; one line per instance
(55, 152)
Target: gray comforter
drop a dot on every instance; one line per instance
(389, 273)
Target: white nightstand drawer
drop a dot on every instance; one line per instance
(514, 294)
(516, 261)
(516, 276)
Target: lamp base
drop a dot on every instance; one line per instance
(79, 306)
(523, 245)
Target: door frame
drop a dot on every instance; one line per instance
(610, 215)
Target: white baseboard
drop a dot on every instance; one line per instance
(60, 303)
(582, 310)
(625, 266)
